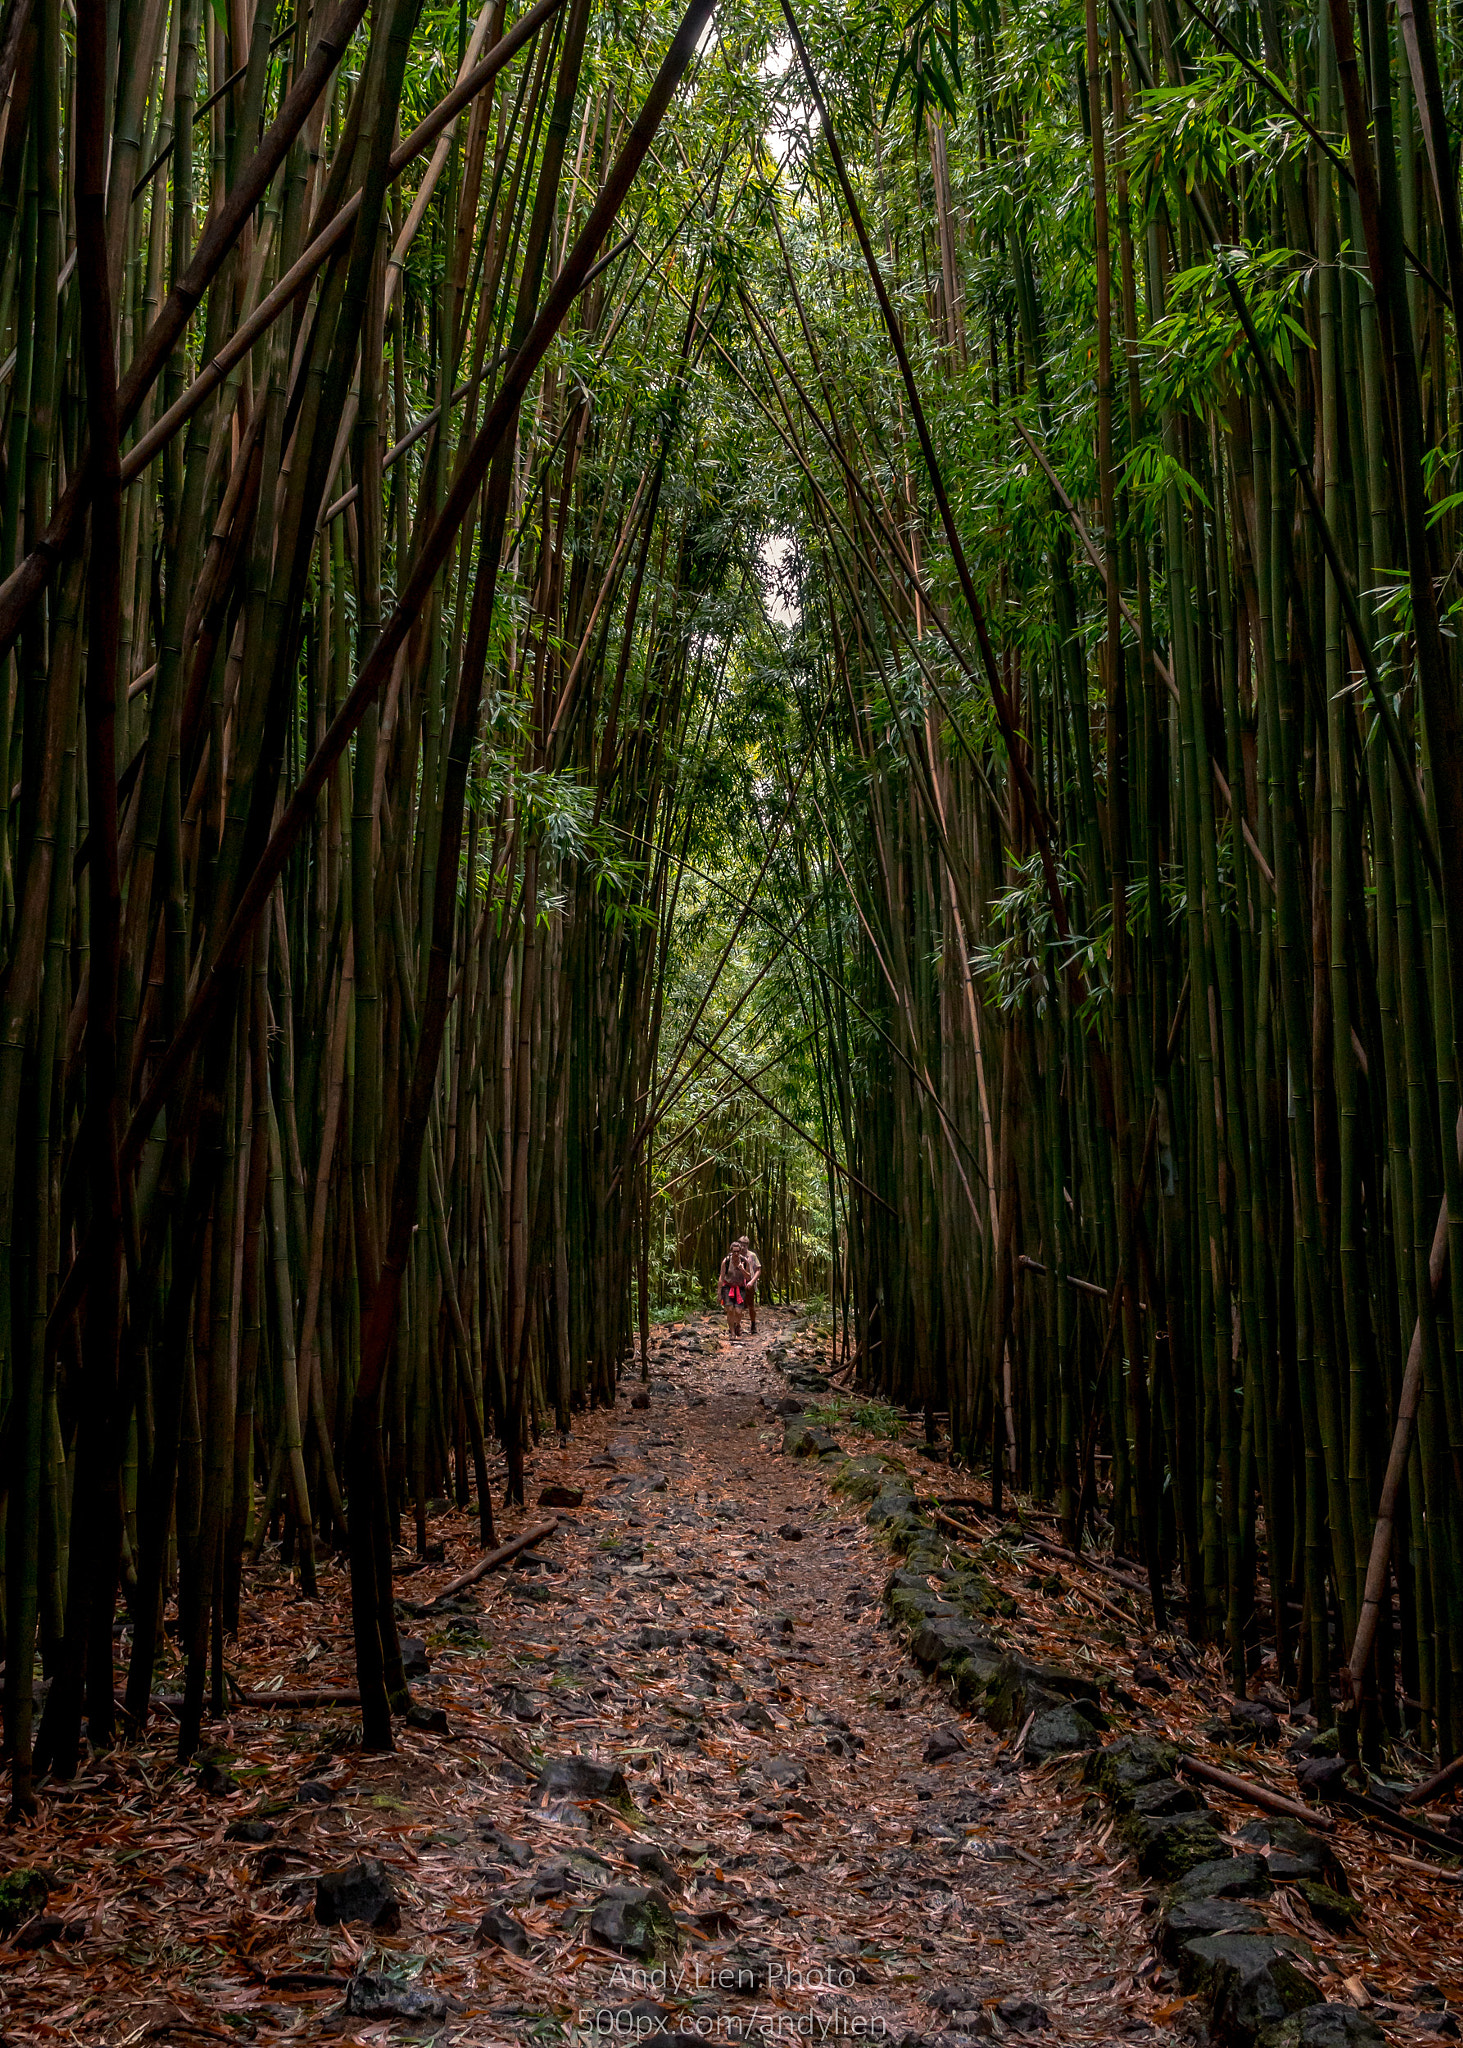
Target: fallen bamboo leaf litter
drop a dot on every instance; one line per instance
(649, 1651)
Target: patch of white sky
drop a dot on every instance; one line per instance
(789, 126)
(779, 579)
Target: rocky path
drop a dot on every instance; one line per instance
(670, 1775)
(801, 1779)
(837, 1863)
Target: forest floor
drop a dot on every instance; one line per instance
(707, 1624)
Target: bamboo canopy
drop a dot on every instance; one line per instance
(620, 627)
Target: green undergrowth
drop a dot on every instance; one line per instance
(874, 1418)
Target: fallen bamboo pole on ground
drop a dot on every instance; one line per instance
(1420, 1795)
(1255, 1795)
(494, 1558)
(1040, 1543)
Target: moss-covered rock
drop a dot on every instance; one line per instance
(1013, 1694)
(1163, 1797)
(1249, 1981)
(863, 1478)
(1060, 1730)
(1323, 2026)
(637, 1921)
(23, 1892)
(910, 1600)
(1168, 1848)
(969, 1589)
(893, 1501)
(941, 1638)
(807, 1440)
(1131, 1761)
(1226, 1877)
(968, 1675)
(1192, 1919)
(1332, 1909)
(926, 1553)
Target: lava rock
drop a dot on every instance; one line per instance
(1023, 2015)
(377, 1998)
(1254, 1719)
(414, 1659)
(743, 1971)
(1192, 1919)
(1323, 2026)
(1249, 1981)
(580, 1777)
(251, 1831)
(640, 1399)
(505, 1847)
(635, 1920)
(561, 1497)
(658, 1639)
(1163, 1797)
(562, 1874)
(361, 1891)
(788, 1405)
(499, 1929)
(950, 1999)
(1168, 1849)
(1131, 1761)
(790, 1532)
(1295, 1853)
(45, 1929)
(1322, 1777)
(310, 1792)
(1226, 1877)
(429, 1720)
(1331, 1908)
(943, 1743)
(649, 1857)
(806, 1440)
(23, 1893)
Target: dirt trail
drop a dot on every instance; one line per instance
(708, 1621)
(791, 1735)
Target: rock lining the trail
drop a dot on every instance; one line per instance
(1215, 1936)
(1258, 1983)
(605, 1711)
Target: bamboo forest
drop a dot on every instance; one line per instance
(836, 627)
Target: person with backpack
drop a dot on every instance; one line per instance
(731, 1289)
(753, 1268)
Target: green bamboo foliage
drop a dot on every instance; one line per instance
(1156, 1206)
(449, 881)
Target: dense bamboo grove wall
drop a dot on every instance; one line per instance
(394, 417)
(350, 648)
(1138, 818)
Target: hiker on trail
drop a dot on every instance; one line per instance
(753, 1267)
(732, 1290)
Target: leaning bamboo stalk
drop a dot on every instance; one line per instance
(1380, 1557)
(26, 582)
